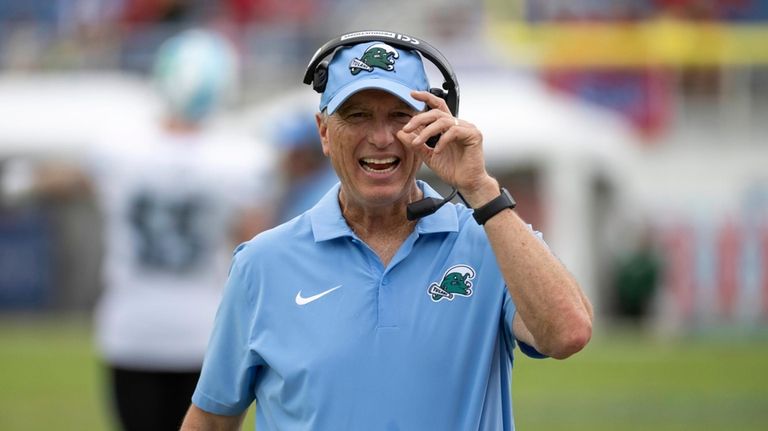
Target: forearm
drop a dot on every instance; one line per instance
(200, 420)
(548, 298)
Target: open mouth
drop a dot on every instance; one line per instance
(379, 166)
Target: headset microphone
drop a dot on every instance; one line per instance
(317, 76)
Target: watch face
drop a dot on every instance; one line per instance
(511, 200)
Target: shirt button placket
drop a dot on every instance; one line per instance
(387, 303)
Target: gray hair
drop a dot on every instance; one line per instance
(324, 115)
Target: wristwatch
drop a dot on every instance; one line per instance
(485, 212)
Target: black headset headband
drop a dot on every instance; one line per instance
(450, 86)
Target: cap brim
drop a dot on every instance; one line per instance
(392, 87)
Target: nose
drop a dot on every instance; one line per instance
(382, 133)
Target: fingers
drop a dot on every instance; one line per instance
(449, 135)
(434, 121)
(438, 120)
(431, 100)
(422, 119)
(442, 125)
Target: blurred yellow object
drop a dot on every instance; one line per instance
(662, 41)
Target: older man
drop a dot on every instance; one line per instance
(351, 317)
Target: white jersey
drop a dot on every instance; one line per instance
(168, 203)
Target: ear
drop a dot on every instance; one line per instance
(322, 129)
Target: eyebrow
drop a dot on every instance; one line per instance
(346, 107)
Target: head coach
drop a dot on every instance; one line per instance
(386, 307)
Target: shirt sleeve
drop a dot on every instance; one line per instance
(226, 385)
(509, 311)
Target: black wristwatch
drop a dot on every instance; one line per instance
(485, 212)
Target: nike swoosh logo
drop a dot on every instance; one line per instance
(300, 300)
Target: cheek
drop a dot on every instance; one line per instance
(341, 143)
(338, 155)
(330, 146)
(415, 163)
(331, 143)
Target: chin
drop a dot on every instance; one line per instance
(389, 195)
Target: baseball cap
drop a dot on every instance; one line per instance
(373, 65)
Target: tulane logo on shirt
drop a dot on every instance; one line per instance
(457, 280)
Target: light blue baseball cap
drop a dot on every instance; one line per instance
(374, 65)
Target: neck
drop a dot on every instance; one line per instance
(383, 228)
(394, 226)
(388, 219)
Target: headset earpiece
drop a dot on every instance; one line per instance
(320, 77)
(439, 92)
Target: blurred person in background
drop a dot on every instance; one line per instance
(353, 316)
(307, 174)
(178, 204)
(636, 277)
(175, 201)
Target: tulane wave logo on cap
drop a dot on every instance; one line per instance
(378, 55)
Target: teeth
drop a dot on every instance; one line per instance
(380, 166)
(379, 161)
(379, 171)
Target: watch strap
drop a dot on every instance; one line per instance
(495, 206)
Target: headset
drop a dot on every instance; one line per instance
(316, 75)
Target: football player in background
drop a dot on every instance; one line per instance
(175, 200)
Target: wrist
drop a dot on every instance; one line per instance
(485, 191)
(496, 205)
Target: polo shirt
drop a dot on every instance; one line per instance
(324, 337)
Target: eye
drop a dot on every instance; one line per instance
(402, 116)
(356, 115)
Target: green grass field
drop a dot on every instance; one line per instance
(51, 379)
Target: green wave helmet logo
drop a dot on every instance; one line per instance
(378, 55)
(457, 280)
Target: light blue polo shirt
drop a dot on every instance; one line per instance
(324, 337)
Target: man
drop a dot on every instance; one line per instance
(350, 317)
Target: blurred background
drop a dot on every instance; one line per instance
(631, 132)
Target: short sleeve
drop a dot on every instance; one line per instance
(226, 385)
(508, 312)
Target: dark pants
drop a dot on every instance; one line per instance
(150, 400)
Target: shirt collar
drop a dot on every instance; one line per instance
(328, 223)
